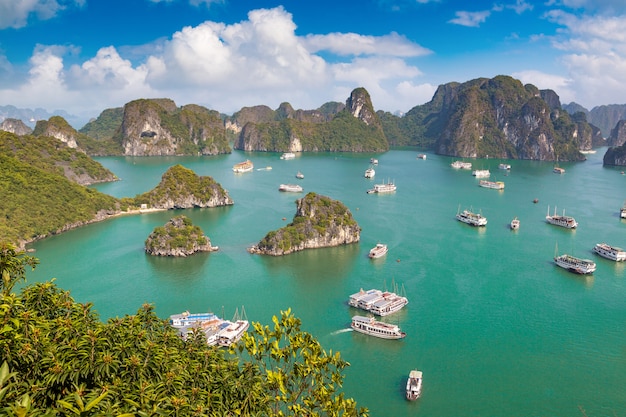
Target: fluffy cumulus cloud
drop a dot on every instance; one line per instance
(594, 54)
(15, 13)
(225, 67)
(471, 19)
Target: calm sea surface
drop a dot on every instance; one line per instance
(496, 327)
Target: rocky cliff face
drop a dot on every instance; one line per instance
(333, 127)
(15, 126)
(158, 127)
(182, 188)
(178, 237)
(319, 222)
(57, 127)
(618, 134)
(615, 156)
(501, 118)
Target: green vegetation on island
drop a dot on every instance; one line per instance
(319, 222)
(178, 237)
(59, 359)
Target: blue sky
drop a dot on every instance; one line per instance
(84, 56)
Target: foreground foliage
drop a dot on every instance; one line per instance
(58, 359)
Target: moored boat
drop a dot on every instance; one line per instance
(288, 155)
(481, 173)
(290, 188)
(388, 187)
(495, 185)
(414, 385)
(374, 161)
(473, 219)
(245, 166)
(504, 166)
(461, 165)
(610, 252)
(421, 156)
(299, 175)
(558, 170)
(373, 327)
(562, 221)
(370, 172)
(381, 303)
(515, 224)
(378, 251)
(574, 264)
(217, 331)
(622, 212)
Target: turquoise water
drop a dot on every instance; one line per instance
(496, 328)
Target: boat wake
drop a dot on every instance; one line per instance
(341, 331)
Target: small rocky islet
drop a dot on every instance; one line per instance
(179, 237)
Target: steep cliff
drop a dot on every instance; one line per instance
(319, 222)
(180, 187)
(618, 134)
(615, 156)
(496, 117)
(354, 127)
(178, 237)
(15, 126)
(157, 127)
(57, 127)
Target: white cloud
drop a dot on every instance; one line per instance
(594, 54)
(470, 19)
(354, 44)
(15, 13)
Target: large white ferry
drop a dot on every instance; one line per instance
(388, 187)
(290, 188)
(563, 221)
(461, 165)
(378, 251)
(245, 166)
(574, 264)
(414, 385)
(481, 173)
(216, 330)
(381, 303)
(496, 185)
(372, 327)
(474, 219)
(610, 252)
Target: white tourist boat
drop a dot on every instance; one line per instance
(288, 155)
(245, 166)
(622, 212)
(461, 165)
(381, 303)
(373, 161)
(481, 173)
(558, 170)
(217, 331)
(504, 166)
(414, 385)
(299, 175)
(370, 172)
(471, 218)
(495, 185)
(515, 224)
(562, 221)
(378, 251)
(388, 187)
(290, 188)
(372, 327)
(421, 156)
(574, 264)
(610, 252)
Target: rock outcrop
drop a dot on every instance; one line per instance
(618, 134)
(178, 237)
(57, 127)
(353, 127)
(157, 127)
(15, 126)
(319, 222)
(180, 188)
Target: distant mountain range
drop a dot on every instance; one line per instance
(481, 118)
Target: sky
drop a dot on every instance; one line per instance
(84, 56)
